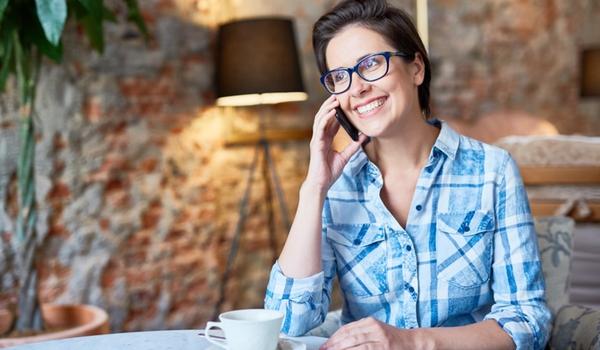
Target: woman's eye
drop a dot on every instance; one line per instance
(339, 76)
(371, 62)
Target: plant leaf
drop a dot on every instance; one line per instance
(33, 35)
(3, 4)
(52, 51)
(94, 8)
(6, 60)
(78, 9)
(52, 15)
(108, 15)
(135, 16)
(91, 23)
(95, 34)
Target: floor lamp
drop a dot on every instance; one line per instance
(257, 64)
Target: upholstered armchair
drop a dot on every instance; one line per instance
(575, 326)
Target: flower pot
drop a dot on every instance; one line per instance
(6, 319)
(75, 320)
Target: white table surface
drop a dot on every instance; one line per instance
(150, 340)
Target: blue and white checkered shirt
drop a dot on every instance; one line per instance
(469, 251)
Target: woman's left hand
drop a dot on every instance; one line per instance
(369, 333)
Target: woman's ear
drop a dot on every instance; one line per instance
(418, 70)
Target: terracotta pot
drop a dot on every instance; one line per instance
(6, 319)
(79, 320)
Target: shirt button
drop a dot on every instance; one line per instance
(419, 207)
(467, 229)
(408, 248)
(429, 169)
(356, 241)
(411, 289)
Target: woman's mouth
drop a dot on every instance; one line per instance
(371, 106)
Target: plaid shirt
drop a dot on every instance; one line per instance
(469, 251)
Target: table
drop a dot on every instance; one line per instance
(149, 340)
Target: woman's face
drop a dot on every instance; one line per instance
(378, 108)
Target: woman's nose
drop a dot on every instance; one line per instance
(359, 86)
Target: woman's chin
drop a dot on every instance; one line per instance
(373, 132)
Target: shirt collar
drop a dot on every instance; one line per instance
(447, 142)
(357, 162)
(448, 139)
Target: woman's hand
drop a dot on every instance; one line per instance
(369, 333)
(326, 164)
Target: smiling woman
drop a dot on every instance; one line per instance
(428, 231)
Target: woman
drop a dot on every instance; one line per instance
(428, 231)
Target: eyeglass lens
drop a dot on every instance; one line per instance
(370, 68)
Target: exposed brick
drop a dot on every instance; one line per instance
(57, 230)
(59, 191)
(139, 276)
(140, 239)
(118, 199)
(135, 257)
(151, 216)
(149, 165)
(92, 110)
(6, 124)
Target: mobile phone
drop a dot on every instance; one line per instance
(345, 123)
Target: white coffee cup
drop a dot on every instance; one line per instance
(256, 329)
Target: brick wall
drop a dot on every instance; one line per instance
(514, 56)
(138, 197)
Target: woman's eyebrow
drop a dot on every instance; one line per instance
(357, 60)
(363, 56)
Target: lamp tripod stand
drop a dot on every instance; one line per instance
(272, 184)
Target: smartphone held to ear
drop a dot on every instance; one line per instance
(345, 123)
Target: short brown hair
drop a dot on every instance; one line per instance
(392, 23)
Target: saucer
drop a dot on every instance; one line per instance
(282, 344)
(289, 344)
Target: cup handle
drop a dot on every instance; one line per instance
(217, 342)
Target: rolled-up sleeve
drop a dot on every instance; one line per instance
(303, 301)
(518, 283)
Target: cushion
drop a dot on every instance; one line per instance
(559, 150)
(576, 327)
(554, 235)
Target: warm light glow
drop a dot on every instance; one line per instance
(422, 22)
(261, 99)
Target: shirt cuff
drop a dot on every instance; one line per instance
(518, 328)
(295, 289)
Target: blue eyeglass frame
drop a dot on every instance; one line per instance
(386, 54)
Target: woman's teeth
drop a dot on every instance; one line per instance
(371, 106)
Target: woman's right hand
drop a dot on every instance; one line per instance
(326, 164)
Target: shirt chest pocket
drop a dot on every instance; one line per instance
(464, 243)
(360, 253)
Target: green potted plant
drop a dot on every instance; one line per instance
(30, 33)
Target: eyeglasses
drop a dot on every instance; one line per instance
(370, 68)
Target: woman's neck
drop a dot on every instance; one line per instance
(406, 150)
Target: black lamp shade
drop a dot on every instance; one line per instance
(590, 72)
(257, 62)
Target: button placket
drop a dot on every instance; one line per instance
(395, 257)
